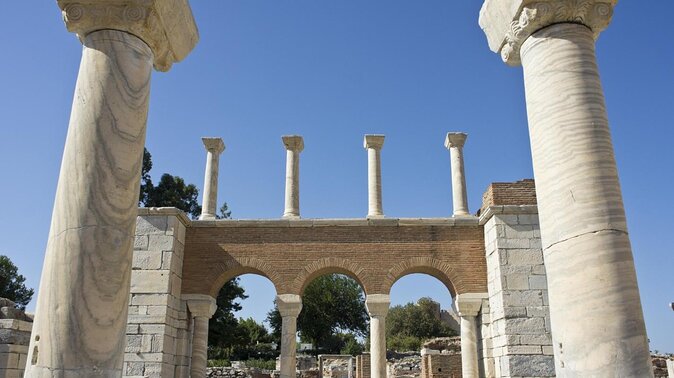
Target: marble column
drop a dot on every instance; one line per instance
(202, 308)
(209, 206)
(595, 309)
(289, 305)
(373, 145)
(454, 143)
(377, 306)
(468, 306)
(294, 145)
(80, 320)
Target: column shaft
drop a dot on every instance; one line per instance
(374, 182)
(199, 347)
(80, 322)
(469, 361)
(460, 201)
(590, 268)
(292, 197)
(288, 346)
(378, 346)
(210, 199)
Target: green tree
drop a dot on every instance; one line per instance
(331, 304)
(12, 284)
(408, 326)
(223, 328)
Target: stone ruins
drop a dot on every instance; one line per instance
(128, 292)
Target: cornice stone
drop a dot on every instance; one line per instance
(508, 23)
(167, 26)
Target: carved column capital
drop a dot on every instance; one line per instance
(200, 305)
(374, 141)
(293, 142)
(469, 304)
(455, 139)
(508, 23)
(377, 304)
(167, 26)
(213, 145)
(289, 305)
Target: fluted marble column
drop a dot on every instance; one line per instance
(468, 306)
(202, 308)
(289, 305)
(588, 257)
(209, 207)
(454, 143)
(294, 145)
(373, 145)
(80, 322)
(377, 306)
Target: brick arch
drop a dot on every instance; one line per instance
(246, 265)
(329, 265)
(443, 271)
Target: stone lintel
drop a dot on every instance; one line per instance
(167, 26)
(289, 304)
(377, 304)
(463, 221)
(165, 211)
(293, 142)
(508, 23)
(469, 304)
(213, 145)
(490, 211)
(375, 141)
(455, 139)
(200, 305)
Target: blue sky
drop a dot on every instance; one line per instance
(332, 72)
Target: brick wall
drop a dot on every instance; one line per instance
(363, 366)
(441, 366)
(509, 193)
(376, 253)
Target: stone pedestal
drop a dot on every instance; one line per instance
(377, 306)
(588, 257)
(373, 144)
(209, 206)
(454, 143)
(469, 306)
(294, 145)
(289, 305)
(80, 322)
(201, 307)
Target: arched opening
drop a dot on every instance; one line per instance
(239, 331)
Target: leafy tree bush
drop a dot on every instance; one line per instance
(12, 284)
(408, 326)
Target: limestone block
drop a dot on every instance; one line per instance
(151, 225)
(141, 242)
(528, 366)
(146, 259)
(525, 349)
(160, 243)
(147, 282)
(540, 339)
(525, 326)
(525, 256)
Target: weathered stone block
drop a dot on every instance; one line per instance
(528, 366)
(148, 282)
(147, 260)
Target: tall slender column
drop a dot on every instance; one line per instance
(214, 147)
(289, 305)
(202, 308)
(294, 144)
(373, 145)
(377, 306)
(80, 322)
(469, 306)
(588, 257)
(454, 143)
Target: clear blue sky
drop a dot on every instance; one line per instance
(333, 71)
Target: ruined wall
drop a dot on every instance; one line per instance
(15, 327)
(363, 366)
(158, 328)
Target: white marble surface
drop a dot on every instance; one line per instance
(294, 145)
(454, 142)
(373, 144)
(214, 147)
(378, 306)
(586, 246)
(289, 306)
(80, 321)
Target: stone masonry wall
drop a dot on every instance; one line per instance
(518, 302)
(158, 330)
(15, 329)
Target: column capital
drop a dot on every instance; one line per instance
(213, 145)
(455, 139)
(375, 141)
(200, 305)
(289, 304)
(508, 23)
(167, 26)
(377, 304)
(469, 304)
(293, 142)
